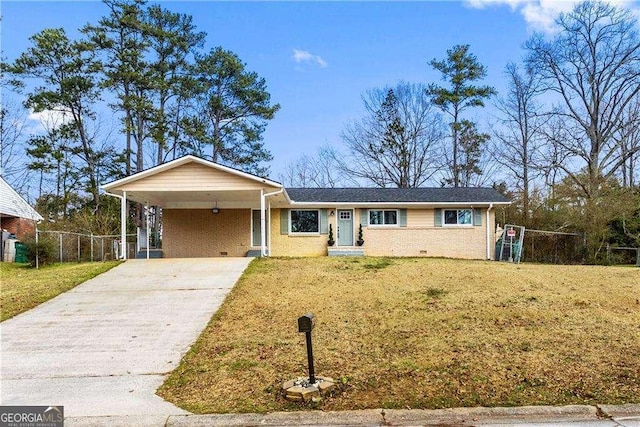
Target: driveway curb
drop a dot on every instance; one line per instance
(601, 415)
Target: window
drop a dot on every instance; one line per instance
(305, 221)
(458, 217)
(383, 217)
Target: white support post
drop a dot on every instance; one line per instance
(146, 214)
(269, 228)
(490, 241)
(37, 250)
(263, 228)
(123, 225)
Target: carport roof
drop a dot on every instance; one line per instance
(192, 183)
(182, 161)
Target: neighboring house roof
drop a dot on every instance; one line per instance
(13, 205)
(466, 195)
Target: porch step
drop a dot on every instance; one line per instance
(254, 253)
(346, 252)
(153, 253)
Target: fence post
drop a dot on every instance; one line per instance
(37, 251)
(102, 248)
(60, 244)
(78, 248)
(92, 247)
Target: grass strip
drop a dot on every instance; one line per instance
(23, 287)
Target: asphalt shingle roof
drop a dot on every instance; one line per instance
(400, 195)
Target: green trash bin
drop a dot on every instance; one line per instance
(21, 252)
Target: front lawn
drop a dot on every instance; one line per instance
(419, 333)
(24, 287)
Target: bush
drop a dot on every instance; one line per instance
(45, 249)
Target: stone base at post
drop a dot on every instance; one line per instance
(300, 390)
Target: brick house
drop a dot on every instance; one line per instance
(16, 215)
(211, 210)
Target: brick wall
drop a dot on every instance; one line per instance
(21, 227)
(292, 245)
(420, 238)
(468, 242)
(190, 233)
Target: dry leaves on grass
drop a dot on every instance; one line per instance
(419, 333)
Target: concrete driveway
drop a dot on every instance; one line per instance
(104, 347)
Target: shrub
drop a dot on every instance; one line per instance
(45, 250)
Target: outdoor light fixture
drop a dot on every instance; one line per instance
(332, 213)
(215, 210)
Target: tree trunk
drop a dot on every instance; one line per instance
(456, 174)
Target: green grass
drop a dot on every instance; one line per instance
(23, 287)
(419, 333)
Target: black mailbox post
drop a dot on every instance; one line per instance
(306, 324)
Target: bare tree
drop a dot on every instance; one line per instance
(593, 65)
(519, 134)
(629, 141)
(317, 171)
(396, 143)
(13, 119)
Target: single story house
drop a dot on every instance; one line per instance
(210, 210)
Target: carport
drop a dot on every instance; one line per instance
(207, 209)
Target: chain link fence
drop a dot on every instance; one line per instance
(623, 255)
(553, 247)
(65, 246)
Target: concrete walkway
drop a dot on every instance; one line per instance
(104, 347)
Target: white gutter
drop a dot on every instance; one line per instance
(489, 242)
(263, 228)
(123, 222)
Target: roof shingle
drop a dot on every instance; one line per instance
(399, 195)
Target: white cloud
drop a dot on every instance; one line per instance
(48, 119)
(302, 56)
(540, 15)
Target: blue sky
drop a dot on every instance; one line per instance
(319, 57)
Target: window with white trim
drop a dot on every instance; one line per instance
(458, 217)
(304, 221)
(383, 217)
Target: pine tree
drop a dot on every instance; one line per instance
(460, 69)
